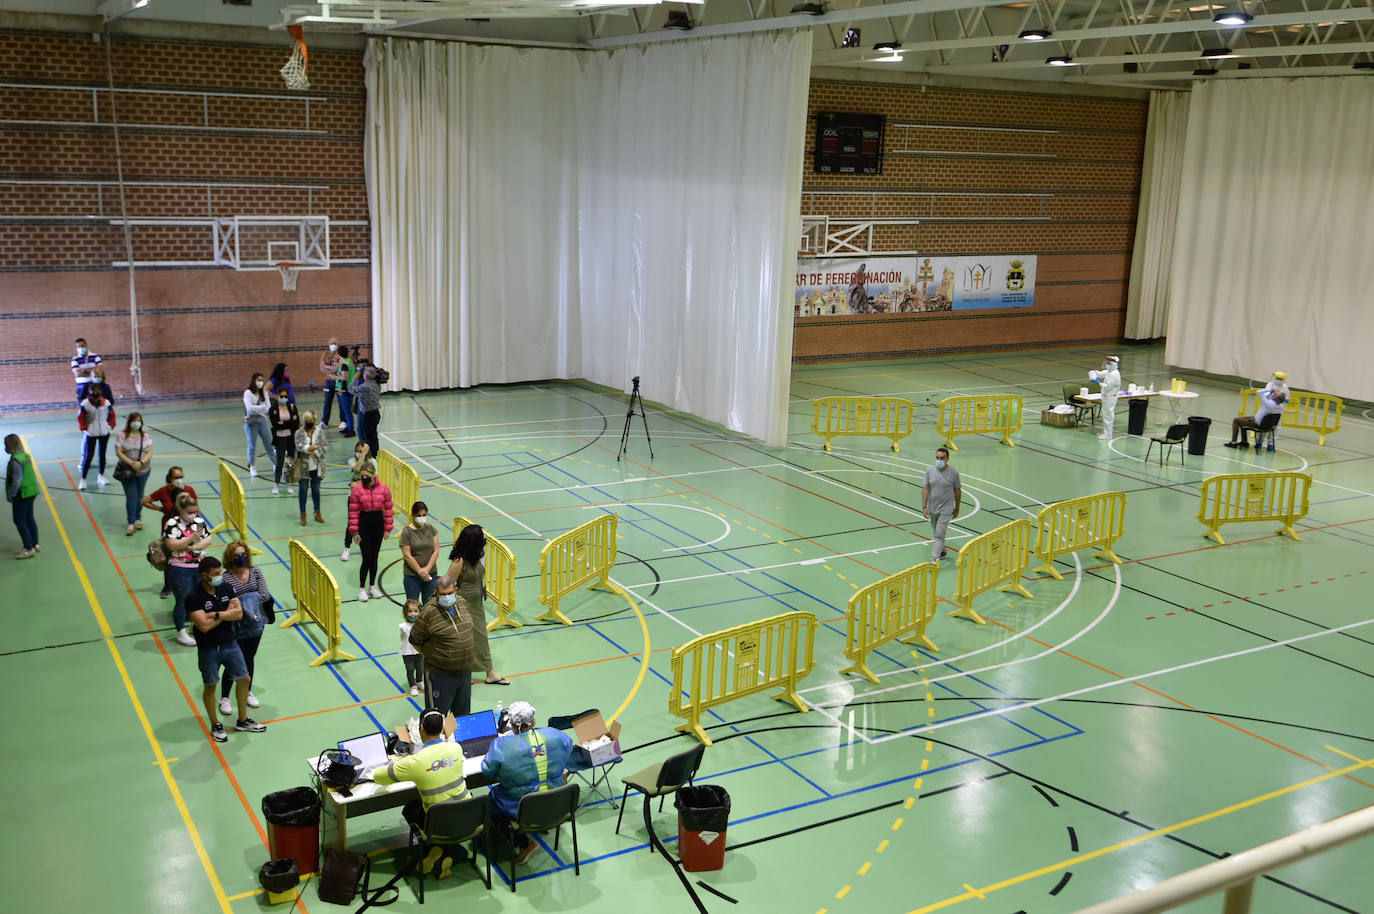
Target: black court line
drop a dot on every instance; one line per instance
(717, 892)
(1063, 881)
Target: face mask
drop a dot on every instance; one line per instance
(369, 481)
(333, 347)
(412, 617)
(177, 483)
(283, 400)
(135, 425)
(217, 580)
(286, 375)
(240, 560)
(80, 350)
(941, 464)
(447, 600)
(309, 426)
(421, 520)
(258, 383)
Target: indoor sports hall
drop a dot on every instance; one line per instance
(699, 451)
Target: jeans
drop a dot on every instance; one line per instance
(249, 648)
(286, 447)
(24, 522)
(371, 419)
(133, 497)
(211, 658)
(184, 580)
(329, 401)
(313, 484)
(88, 448)
(449, 692)
(346, 410)
(257, 428)
(417, 589)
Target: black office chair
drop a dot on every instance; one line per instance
(660, 780)
(1266, 429)
(449, 824)
(1175, 436)
(565, 722)
(1082, 409)
(545, 811)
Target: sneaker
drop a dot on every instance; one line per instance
(414, 690)
(1235, 444)
(81, 486)
(129, 530)
(252, 472)
(164, 595)
(184, 637)
(343, 426)
(253, 701)
(275, 489)
(375, 592)
(225, 707)
(362, 594)
(26, 554)
(100, 480)
(1105, 437)
(445, 868)
(218, 734)
(138, 525)
(290, 490)
(343, 556)
(37, 548)
(431, 858)
(525, 855)
(249, 725)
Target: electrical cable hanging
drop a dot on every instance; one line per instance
(135, 356)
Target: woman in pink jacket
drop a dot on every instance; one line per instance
(369, 520)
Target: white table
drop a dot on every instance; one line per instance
(1121, 395)
(371, 797)
(1176, 403)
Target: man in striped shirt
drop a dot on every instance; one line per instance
(84, 364)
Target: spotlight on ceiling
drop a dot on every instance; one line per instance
(1234, 17)
(814, 9)
(677, 19)
(1062, 60)
(887, 46)
(1035, 34)
(1213, 53)
(1205, 71)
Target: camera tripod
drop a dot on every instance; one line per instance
(635, 400)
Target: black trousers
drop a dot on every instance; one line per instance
(371, 532)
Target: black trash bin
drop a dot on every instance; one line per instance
(1197, 434)
(279, 877)
(293, 826)
(702, 814)
(1135, 425)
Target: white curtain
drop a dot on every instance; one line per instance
(1147, 296)
(553, 214)
(1272, 265)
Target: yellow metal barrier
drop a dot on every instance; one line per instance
(879, 417)
(582, 554)
(500, 576)
(897, 608)
(1248, 497)
(986, 561)
(401, 478)
(317, 600)
(235, 505)
(710, 670)
(1080, 523)
(990, 414)
(1320, 413)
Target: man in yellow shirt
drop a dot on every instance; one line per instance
(436, 768)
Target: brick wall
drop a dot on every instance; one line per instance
(1068, 183)
(206, 130)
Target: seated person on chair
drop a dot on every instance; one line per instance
(1271, 402)
(437, 770)
(523, 761)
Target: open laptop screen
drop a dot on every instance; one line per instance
(475, 726)
(370, 749)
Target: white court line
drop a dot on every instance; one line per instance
(917, 515)
(642, 506)
(632, 479)
(1025, 705)
(1304, 465)
(458, 428)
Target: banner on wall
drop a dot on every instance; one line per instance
(891, 285)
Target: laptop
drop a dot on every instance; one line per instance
(474, 732)
(369, 749)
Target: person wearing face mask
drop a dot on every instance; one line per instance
(134, 451)
(419, 552)
(369, 520)
(285, 422)
(368, 394)
(360, 461)
(345, 381)
(414, 663)
(83, 363)
(165, 500)
(467, 569)
(248, 584)
(256, 425)
(185, 536)
(279, 382)
(21, 488)
(309, 465)
(329, 367)
(443, 635)
(213, 610)
(1273, 397)
(941, 498)
(96, 418)
(1109, 376)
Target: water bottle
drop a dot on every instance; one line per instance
(502, 719)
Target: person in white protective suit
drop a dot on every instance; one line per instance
(1109, 376)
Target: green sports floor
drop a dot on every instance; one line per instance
(1123, 725)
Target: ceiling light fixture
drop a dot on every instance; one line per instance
(887, 46)
(677, 19)
(814, 9)
(1363, 65)
(1205, 71)
(1211, 53)
(113, 9)
(1035, 34)
(1061, 61)
(1234, 17)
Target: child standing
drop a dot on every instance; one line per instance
(414, 661)
(361, 460)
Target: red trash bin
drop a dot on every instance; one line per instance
(703, 814)
(293, 826)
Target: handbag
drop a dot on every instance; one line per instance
(157, 555)
(123, 472)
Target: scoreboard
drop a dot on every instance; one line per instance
(849, 144)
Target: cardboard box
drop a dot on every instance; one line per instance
(1064, 420)
(590, 728)
(403, 744)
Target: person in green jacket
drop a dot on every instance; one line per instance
(21, 488)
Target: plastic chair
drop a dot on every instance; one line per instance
(1266, 428)
(1081, 408)
(660, 780)
(1176, 435)
(545, 811)
(449, 824)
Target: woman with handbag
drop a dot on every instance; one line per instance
(134, 453)
(258, 612)
(308, 469)
(285, 421)
(185, 536)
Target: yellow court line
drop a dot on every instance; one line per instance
(161, 759)
(1129, 842)
(643, 658)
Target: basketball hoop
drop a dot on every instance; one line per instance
(289, 272)
(294, 71)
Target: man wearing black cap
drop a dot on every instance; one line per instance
(437, 770)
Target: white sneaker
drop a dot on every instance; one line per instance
(225, 707)
(362, 594)
(37, 548)
(100, 480)
(414, 690)
(26, 554)
(343, 556)
(253, 701)
(184, 637)
(290, 490)
(342, 426)
(81, 486)
(252, 471)
(1105, 437)
(275, 489)
(376, 592)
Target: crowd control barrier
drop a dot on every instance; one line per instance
(710, 670)
(1249, 497)
(235, 505)
(998, 557)
(878, 417)
(317, 600)
(500, 576)
(989, 414)
(585, 553)
(1080, 523)
(404, 483)
(897, 608)
(1320, 413)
